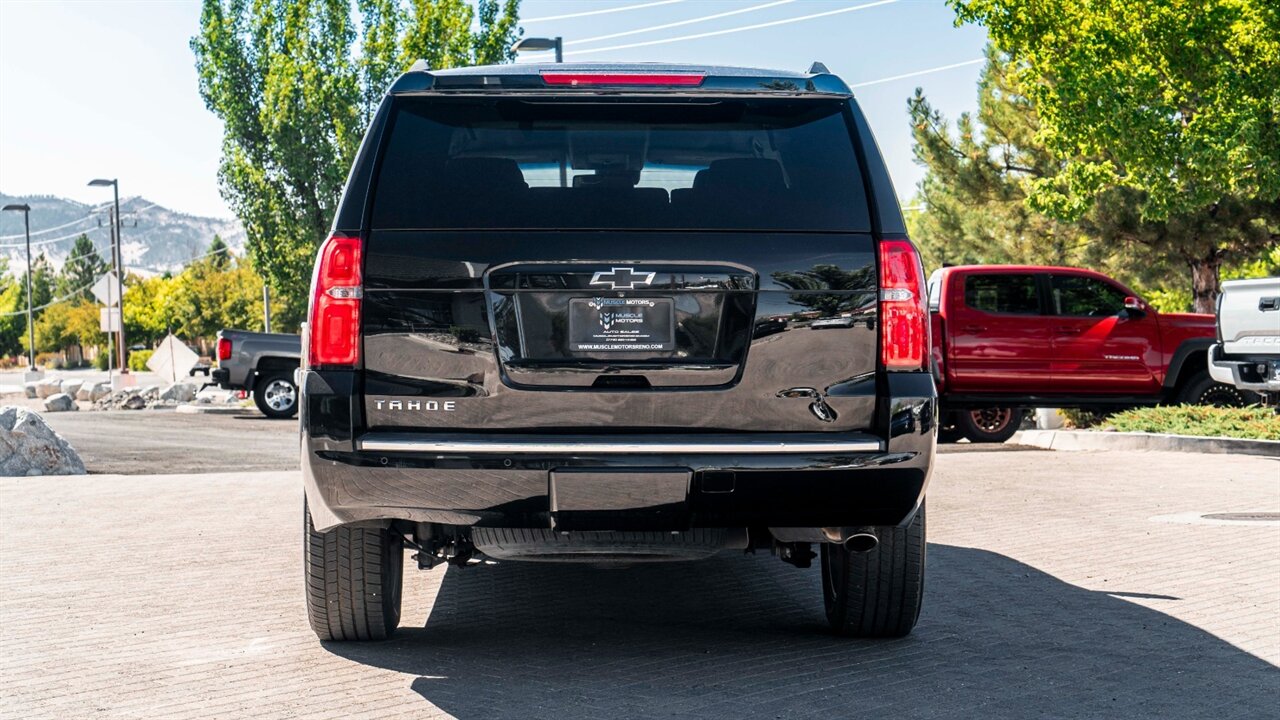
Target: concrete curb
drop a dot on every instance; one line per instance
(1097, 440)
(212, 410)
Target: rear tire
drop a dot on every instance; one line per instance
(353, 580)
(989, 425)
(1201, 389)
(276, 395)
(876, 594)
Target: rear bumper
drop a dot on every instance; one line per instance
(1243, 372)
(506, 480)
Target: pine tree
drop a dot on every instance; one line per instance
(83, 268)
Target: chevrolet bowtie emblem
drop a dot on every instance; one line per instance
(622, 278)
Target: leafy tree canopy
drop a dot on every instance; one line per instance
(1178, 102)
(295, 99)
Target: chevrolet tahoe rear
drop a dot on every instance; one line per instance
(616, 314)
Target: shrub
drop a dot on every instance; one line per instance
(50, 360)
(138, 360)
(1082, 418)
(102, 359)
(1254, 423)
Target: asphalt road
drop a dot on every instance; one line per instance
(1058, 587)
(134, 442)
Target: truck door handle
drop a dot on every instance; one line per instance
(1069, 331)
(974, 328)
(1269, 304)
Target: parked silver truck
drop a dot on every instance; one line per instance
(261, 364)
(1247, 353)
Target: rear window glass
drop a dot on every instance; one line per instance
(1010, 294)
(731, 165)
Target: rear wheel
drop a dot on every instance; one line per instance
(276, 395)
(876, 593)
(989, 425)
(1204, 390)
(353, 579)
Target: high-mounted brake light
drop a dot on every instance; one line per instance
(629, 79)
(904, 321)
(224, 349)
(334, 320)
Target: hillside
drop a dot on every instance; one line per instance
(156, 239)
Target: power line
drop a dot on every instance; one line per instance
(606, 11)
(20, 236)
(918, 72)
(52, 302)
(93, 209)
(691, 21)
(713, 33)
(50, 241)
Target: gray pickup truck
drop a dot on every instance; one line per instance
(1247, 354)
(262, 364)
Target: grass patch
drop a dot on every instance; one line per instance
(1252, 423)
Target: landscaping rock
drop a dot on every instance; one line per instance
(47, 387)
(100, 391)
(61, 402)
(30, 389)
(179, 393)
(28, 446)
(134, 402)
(214, 395)
(71, 387)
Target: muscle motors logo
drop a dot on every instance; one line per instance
(611, 311)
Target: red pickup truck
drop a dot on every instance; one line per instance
(1008, 338)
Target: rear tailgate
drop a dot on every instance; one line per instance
(1249, 317)
(493, 332)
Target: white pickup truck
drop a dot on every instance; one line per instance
(1247, 353)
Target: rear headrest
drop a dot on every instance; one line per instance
(745, 174)
(480, 172)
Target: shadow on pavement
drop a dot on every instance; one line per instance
(743, 636)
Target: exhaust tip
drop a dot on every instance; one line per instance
(861, 542)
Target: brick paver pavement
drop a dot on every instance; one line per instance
(1052, 593)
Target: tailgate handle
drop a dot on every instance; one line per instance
(1269, 304)
(622, 382)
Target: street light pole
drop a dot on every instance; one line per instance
(117, 260)
(31, 329)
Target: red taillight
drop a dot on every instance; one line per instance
(904, 322)
(224, 349)
(577, 79)
(334, 320)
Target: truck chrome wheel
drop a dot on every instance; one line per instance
(276, 395)
(280, 395)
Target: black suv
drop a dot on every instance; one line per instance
(617, 313)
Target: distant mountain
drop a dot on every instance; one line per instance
(156, 239)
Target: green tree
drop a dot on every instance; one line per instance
(43, 282)
(979, 177)
(1167, 114)
(13, 318)
(295, 100)
(218, 254)
(83, 268)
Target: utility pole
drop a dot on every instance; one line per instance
(266, 307)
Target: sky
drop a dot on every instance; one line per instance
(108, 89)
